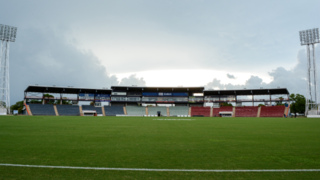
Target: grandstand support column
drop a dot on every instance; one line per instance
(252, 100)
(270, 98)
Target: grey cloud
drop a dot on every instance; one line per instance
(46, 57)
(230, 76)
(293, 79)
(132, 80)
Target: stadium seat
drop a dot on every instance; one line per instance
(178, 110)
(215, 111)
(113, 110)
(200, 111)
(247, 111)
(89, 107)
(42, 109)
(154, 110)
(68, 110)
(272, 111)
(136, 110)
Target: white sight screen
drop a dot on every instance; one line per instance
(8, 33)
(310, 36)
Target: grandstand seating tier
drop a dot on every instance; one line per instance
(68, 110)
(247, 111)
(215, 111)
(88, 107)
(272, 111)
(178, 110)
(113, 110)
(42, 109)
(154, 110)
(200, 111)
(136, 111)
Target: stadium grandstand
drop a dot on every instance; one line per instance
(149, 101)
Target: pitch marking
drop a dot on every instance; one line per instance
(176, 170)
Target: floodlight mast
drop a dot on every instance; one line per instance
(7, 35)
(309, 38)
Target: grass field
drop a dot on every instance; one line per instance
(141, 142)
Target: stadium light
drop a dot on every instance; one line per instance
(309, 38)
(7, 34)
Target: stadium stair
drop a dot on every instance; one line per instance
(211, 111)
(147, 111)
(189, 113)
(125, 110)
(28, 109)
(168, 112)
(80, 109)
(234, 112)
(259, 111)
(55, 110)
(103, 112)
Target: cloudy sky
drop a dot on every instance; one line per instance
(217, 44)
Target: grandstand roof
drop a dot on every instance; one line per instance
(66, 90)
(274, 91)
(155, 89)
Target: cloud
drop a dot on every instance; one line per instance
(294, 79)
(132, 80)
(230, 76)
(44, 56)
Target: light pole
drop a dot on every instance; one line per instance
(7, 35)
(309, 38)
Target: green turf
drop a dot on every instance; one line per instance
(141, 142)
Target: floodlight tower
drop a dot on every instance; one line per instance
(7, 35)
(309, 38)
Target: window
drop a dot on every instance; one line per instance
(114, 98)
(119, 93)
(133, 98)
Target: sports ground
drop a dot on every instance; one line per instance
(158, 143)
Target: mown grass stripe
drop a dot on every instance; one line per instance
(169, 170)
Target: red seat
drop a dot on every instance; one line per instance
(248, 111)
(272, 111)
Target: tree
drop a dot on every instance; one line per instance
(226, 104)
(279, 103)
(18, 106)
(49, 99)
(298, 103)
(3, 104)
